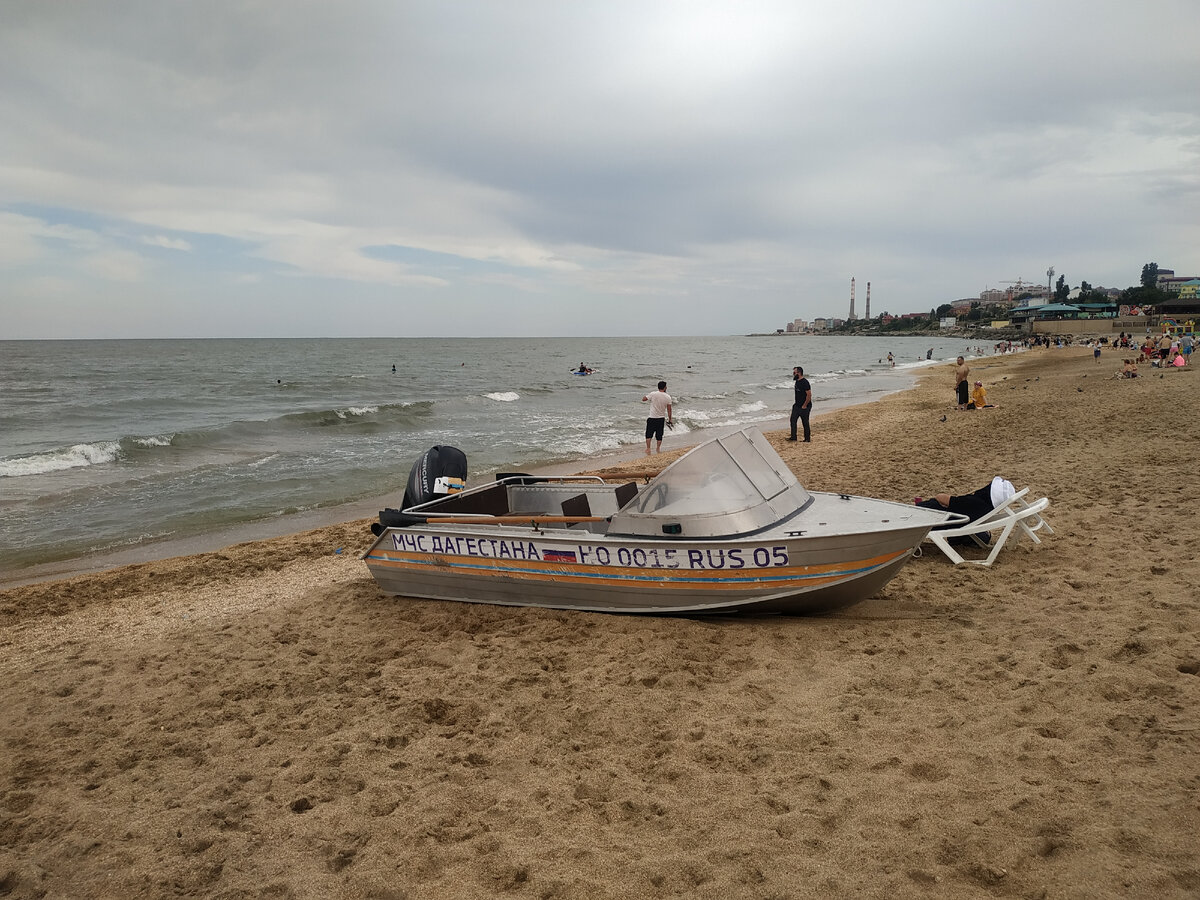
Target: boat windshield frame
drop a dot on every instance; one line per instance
(733, 484)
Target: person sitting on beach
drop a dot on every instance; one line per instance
(973, 505)
(1128, 370)
(1178, 361)
(978, 397)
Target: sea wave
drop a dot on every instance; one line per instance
(387, 414)
(504, 396)
(133, 448)
(73, 457)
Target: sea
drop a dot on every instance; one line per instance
(117, 451)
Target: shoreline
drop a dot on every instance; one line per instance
(262, 720)
(368, 510)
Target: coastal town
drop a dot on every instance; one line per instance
(1162, 299)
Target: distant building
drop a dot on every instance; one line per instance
(1170, 283)
(820, 324)
(1035, 291)
(1182, 308)
(1173, 285)
(994, 297)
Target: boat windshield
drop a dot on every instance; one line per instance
(730, 485)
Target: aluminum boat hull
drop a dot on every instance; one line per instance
(527, 566)
(725, 528)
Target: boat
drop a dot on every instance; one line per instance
(725, 528)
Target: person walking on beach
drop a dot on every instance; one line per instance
(961, 371)
(661, 414)
(802, 406)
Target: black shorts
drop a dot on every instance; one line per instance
(654, 428)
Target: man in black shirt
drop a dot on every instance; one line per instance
(803, 405)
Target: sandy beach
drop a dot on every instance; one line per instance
(262, 722)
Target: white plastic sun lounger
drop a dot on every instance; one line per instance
(1013, 514)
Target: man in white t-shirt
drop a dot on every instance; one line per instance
(660, 414)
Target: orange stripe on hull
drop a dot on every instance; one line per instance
(775, 578)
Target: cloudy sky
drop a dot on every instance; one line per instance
(430, 167)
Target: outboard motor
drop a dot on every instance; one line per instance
(437, 472)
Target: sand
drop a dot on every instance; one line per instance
(262, 722)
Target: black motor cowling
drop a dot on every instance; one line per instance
(437, 472)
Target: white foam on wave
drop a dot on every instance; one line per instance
(156, 441)
(756, 406)
(504, 396)
(589, 445)
(356, 411)
(742, 421)
(74, 457)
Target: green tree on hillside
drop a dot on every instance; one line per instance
(1146, 293)
(1088, 294)
(1061, 289)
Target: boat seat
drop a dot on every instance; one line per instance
(490, 502)
(577, 507)
(625, 492)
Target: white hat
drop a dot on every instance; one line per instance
(1002, 489)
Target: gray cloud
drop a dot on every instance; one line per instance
(548, 168)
